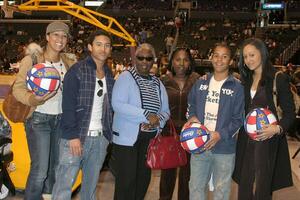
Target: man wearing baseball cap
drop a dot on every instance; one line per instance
(43, 122)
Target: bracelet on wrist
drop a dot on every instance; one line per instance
(280, 130)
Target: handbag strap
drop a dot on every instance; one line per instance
(10, 91)
(172, 129)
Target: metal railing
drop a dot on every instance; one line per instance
(290, 51)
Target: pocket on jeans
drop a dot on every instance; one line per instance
(66, 157)
(39, 118)
(64, 143)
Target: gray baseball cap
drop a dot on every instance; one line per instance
(57, 26)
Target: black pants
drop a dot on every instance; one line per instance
(255, 183)
(132, 177)
(168, 180)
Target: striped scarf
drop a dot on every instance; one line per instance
(149, 91)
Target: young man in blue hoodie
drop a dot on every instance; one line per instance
(216, 101)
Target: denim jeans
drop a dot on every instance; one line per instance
(205, 164)
(91, 160)
(43, 133)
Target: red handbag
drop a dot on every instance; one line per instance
(165, 152)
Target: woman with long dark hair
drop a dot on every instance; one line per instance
(262, 165)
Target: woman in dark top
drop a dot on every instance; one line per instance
(263, 165)
(178, 84)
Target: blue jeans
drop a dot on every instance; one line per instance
(43, 133)
(205, 164)
(91, 160)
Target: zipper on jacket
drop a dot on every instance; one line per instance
(180, 102)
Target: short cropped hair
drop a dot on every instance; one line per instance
(96, 33)
(146, 46)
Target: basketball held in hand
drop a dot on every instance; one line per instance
(193, 137)
(42, 78)
(256, 119)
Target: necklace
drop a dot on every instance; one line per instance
(59, 68)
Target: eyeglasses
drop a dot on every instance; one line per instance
(100, 92)
(141, 58)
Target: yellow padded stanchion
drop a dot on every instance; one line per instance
(21, 163)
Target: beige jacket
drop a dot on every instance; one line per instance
(20, 91)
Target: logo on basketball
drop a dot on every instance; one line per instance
(193, 137)
(42, 78)
(256, 119)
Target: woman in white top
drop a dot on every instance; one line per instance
(42, 124)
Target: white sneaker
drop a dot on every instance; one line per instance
(47, 196)
(3, 192)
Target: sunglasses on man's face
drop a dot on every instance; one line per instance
(141, 58)
(100, 92)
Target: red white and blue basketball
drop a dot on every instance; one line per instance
(42, 78)
(193, 137)
(255, 120)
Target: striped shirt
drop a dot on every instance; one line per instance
(150, 94)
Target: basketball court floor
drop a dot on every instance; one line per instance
(105, 186)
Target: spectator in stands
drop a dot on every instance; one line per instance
(203, 28)
(296, 79)
(263, 165)
(143, 35)
(140, 104)
(86, 120)
(178, 84)
(178, 23)
(136, 38)
(1, 63)
(154, 70)
(111, 65)
(287, 71)
(42, 124)
(169, 40)
(217, 103)
(6, 64)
